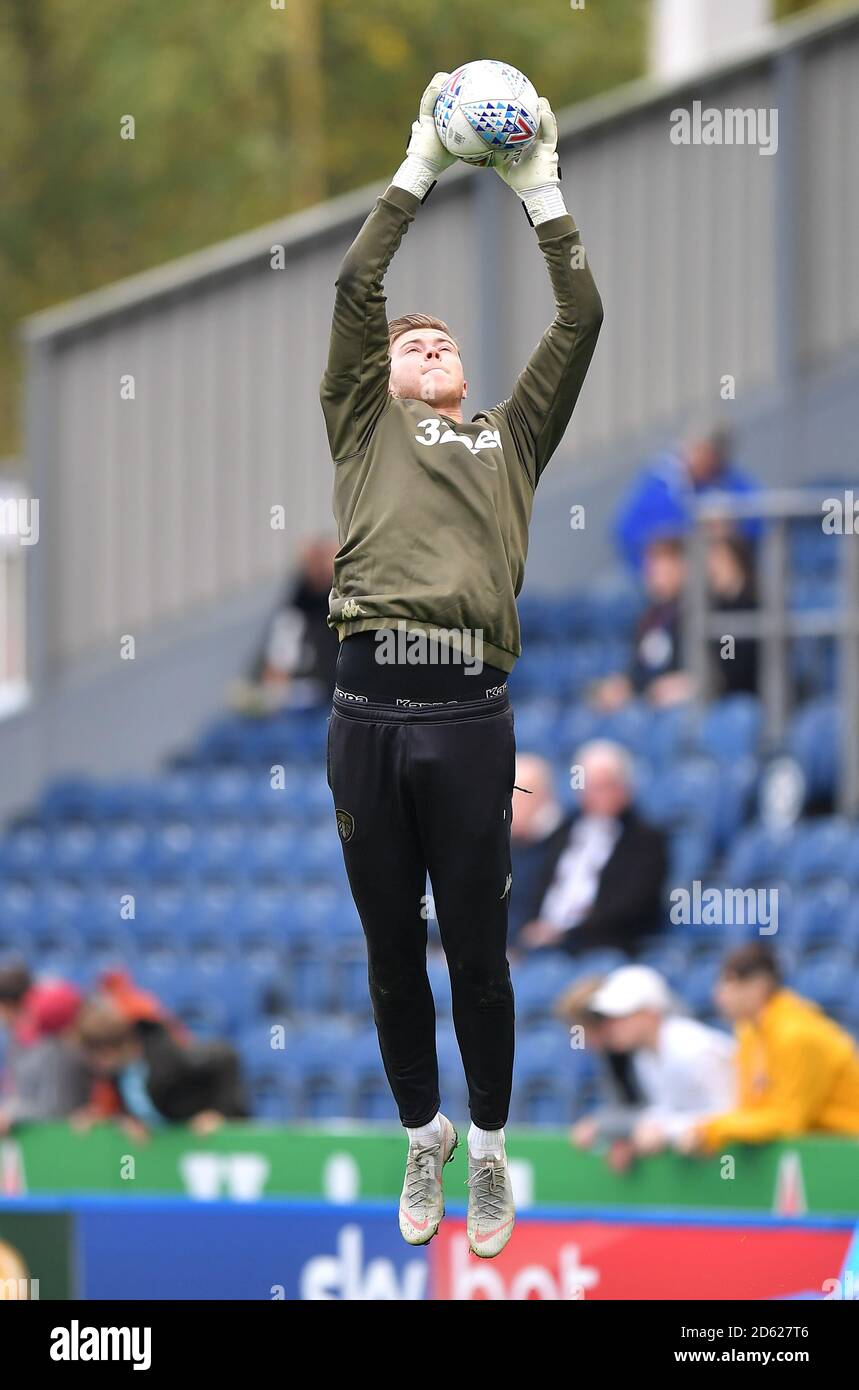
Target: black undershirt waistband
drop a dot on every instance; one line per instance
(437, 680)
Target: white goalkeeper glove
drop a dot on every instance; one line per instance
(534, 176)
(426, 156)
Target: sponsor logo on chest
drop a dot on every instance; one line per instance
(435, 431)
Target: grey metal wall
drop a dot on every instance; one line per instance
(710, 260)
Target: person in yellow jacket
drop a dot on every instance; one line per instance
(798, 1072)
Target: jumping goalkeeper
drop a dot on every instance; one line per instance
(432, 514)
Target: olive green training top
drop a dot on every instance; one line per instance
(432, 514)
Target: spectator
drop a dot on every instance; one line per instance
(659, 504)
(45, 1078)
(297, 662)
(538, 817)
(684, 1069)
(602, 885)
(798, 1072)
(656, 671)
(612, 1124)
(732, 589)
(152, 1078)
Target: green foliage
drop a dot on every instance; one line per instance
(214, 89)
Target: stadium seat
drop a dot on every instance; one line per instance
(730, 728)
(544, 1078)
(242, 911)
(823, 850)
(759, 855)
(371, 1094)
(538, 981)
(818, 918)
(439, 978)
(450, 1070)
(828, 980)
(314, 1058)
(812, 739)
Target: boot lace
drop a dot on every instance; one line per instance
(420, 1173)
(487, 1184)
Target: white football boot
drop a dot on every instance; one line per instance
(422, 1200)
(491, 1213)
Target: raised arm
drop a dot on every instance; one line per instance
(545, 394)
(354, 389)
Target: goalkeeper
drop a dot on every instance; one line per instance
(432, 514)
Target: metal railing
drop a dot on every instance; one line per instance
(774, 624)
(16, 536)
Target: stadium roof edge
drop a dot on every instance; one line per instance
(224, 257)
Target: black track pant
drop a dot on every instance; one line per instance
(429, 790)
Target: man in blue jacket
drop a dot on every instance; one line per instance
(661, 500)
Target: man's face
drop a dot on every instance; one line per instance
(629, 1033)
(740, 1001)
(664, 572)
(604, 790)
(426, 366)
(702, 460)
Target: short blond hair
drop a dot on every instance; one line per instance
(405, 324)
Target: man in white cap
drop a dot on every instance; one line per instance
(684, 1069)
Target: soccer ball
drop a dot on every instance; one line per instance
(486, 109)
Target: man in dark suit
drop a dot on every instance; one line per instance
(603, 869)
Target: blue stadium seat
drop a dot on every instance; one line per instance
(578, 725)
(72, 798)
(850, 929)
(348, 976)
(371, 1094)
(629, 726)
(25, 848)
(212, 1006)
(311, 979)
(682, 799)
(818, 918)
(316, 1057)
(242, 907)
(672, 958)
(123, 847)
(439, 978)
(537, 726)
(228, 792)
(450, 1070)
(610, 608)
(730, 728)
(821, 850)
(538, 981)
(759, 855)
(55, 950)
(813, 739)
(224, 847)
(690, 852)
(697, 988)
(738, 783)
(544, 1076)
(671, 734)
(828, 980)
(273, 1092)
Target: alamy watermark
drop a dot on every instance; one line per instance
(433, 646)
(734, 126)
(725, 907)
(840, 515)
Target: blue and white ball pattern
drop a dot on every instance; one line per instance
(486, 109)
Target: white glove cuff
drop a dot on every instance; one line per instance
(416, 175)
(544, 203)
